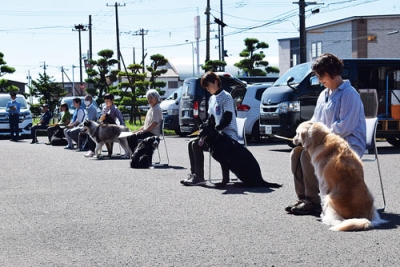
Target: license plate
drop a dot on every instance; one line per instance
(268, 129)
(186, 114)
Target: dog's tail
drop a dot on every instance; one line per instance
(358, 224)
(352, 225)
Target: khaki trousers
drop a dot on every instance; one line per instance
(305, 182)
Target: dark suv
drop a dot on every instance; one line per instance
(194, 100)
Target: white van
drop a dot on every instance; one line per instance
(170, 109)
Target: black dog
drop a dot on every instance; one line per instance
(232, 156)
(142, 157)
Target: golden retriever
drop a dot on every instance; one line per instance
(348, 204)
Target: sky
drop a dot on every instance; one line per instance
(40, 35)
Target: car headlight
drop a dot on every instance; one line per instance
(173, 112)
(285, 107)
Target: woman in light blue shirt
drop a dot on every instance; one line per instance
(340, 108)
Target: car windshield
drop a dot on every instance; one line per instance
(178, 92)
(298, 72)
(5, 98)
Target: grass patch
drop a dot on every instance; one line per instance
(131, 126)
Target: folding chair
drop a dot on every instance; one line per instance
(241, 123)
(162, 138)
(371, 146)
(241, 126)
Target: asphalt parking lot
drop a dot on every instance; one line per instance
(58, 208)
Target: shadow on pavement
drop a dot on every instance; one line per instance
(392, 218)
(238, 188)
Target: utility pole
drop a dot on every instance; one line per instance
(222, 36)
(192, 55)
(142, 33)
(29, 86)
(207, 12)
(80, 28)
(62, 77)
(302, 17)
(44, 67)
(117, 32)
(197, 37)
(90, 39)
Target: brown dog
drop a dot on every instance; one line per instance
(348, 204)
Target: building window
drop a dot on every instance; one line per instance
(172, 84)
(316, 49)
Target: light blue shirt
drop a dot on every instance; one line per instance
(91, 112)
(12, 104)
(343, 113)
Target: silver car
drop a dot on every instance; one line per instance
(248, 106)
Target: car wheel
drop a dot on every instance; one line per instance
(255, 132)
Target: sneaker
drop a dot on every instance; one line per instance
(90, 154)
(295, 204)
(193, 180)
(48, 143)
(34, 142)
(68, 147)
(307, 208)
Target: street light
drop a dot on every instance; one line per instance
(80, 28)
(192, 55)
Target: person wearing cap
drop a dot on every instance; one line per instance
(13, 108)
(42, 124)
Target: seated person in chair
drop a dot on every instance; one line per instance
(222, 106)
(116, 115)
(56, 130)
(77, 118)
(152, 122)
(42, 124)
(90, 114)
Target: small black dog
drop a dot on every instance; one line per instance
(232, 156)
(142, 157)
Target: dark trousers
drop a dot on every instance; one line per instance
(14, 126)
(91, 144)
(196, 157)
(33, 131)
(134, 139)
(52, 130)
